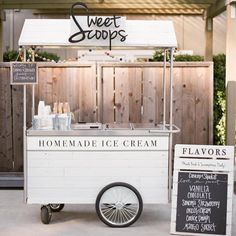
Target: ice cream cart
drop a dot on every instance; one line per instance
(118, 167)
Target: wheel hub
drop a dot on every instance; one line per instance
(119, 205)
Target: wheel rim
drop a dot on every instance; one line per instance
(119, 205)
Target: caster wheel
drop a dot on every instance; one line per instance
(119, 205)
(46, 214)
(56, 207)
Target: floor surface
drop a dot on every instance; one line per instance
(17, 218)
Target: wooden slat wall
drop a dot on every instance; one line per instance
(73, 84)
(192, 105)
(6, 147)
(17, 127)
(129, 93)
(108, 92)
(178, 103)
(135, 94)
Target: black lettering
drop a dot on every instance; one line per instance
(190, 152)
(113, 34)
(115, 22)
(99, 22)
(203, 151)
(91, 21)
(154, 143)
(217, 152)
(107, 22)
(210, 151)
(72, 143)
(41, 143)
(81, 33)
(132, 143)
(64, 143)
(223, 152)
(94, 143)
(49, 143)
(122, 35)
(139, 143)
(197, 152)
(57, 143)
(184, 150)
(98, 34)
(90, 34)
(125, 143)
(104, 34)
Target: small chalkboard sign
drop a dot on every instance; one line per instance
(24, 73)
(202, 203)
(202, 190)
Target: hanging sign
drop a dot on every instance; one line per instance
(24, 73)
(97, 30)
(202, 190)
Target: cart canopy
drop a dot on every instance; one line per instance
(56, 32)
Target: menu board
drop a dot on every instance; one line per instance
(24, 73)
(201, 203)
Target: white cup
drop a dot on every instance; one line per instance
(41, 108)
(47, 110)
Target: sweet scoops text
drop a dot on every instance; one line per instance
(97, 28)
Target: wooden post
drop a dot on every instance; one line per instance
(209, 39)
(231, 73)
(1, 35)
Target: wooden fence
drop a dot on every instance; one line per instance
(108, 92)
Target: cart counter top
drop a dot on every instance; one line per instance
(98, 129)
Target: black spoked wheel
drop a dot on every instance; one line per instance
(119, 205)
(56, 207)
(46, 214)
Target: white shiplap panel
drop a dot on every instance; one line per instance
(113, 171)
(100, 159)
(45, 172)
(89, 162)
(154, 183)
(47, 195)
(83, 182)
(77, 177)
(88, 195)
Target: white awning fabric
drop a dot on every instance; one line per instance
(56, 32)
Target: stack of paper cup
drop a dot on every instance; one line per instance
(41, 108)
(47, 110)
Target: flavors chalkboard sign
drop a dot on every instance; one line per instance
(202, 190)
(202, 203)
(24, 73)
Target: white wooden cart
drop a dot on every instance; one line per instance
(117, 167)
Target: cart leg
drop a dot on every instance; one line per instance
(46, 214)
